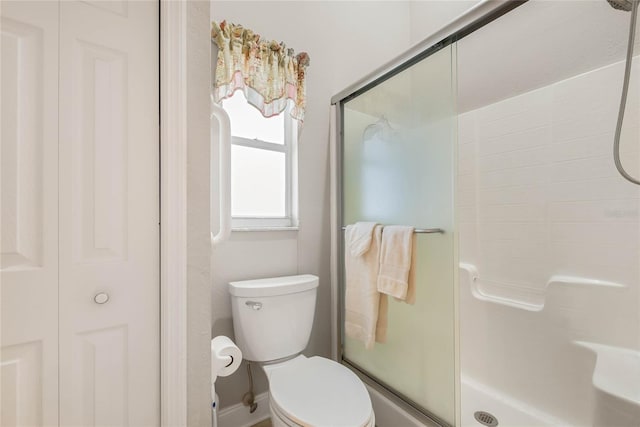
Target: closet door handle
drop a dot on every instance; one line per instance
(224, 171)
(101, 298)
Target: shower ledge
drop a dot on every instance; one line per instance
(523, 297)
(617, 371)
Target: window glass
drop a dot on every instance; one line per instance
(258, 182)
(248, 122)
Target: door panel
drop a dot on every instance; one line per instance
(109, 353)
(103, 386)
(29, 214)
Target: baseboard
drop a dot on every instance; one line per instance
(238, 415)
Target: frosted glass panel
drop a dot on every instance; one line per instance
(399, 146)
(257, 182)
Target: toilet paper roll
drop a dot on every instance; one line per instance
(225, 357)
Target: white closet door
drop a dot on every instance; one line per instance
(109, 222)
(29, 214)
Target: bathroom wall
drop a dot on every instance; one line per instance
(542, 211)
(427, 17)
(345, 41)
(198, 213)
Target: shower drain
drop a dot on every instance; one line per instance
(485, 418)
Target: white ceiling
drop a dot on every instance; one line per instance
(534, 45)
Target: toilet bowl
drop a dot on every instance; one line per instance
(317, 392)
(272, 320)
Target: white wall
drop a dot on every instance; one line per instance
(345, 41)
(428, 16)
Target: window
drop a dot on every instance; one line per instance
(262, 166)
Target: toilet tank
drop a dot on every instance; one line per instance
(272, 318)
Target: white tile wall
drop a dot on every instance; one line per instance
(538, 196)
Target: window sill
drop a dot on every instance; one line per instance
(250, 229)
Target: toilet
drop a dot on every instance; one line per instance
(272, 320)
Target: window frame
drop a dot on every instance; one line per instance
(289, 147)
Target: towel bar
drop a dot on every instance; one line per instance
(421, 230)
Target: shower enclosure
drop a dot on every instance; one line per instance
(499, 130)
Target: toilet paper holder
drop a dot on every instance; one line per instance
(225, 357)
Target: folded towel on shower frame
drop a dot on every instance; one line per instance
(396, 275)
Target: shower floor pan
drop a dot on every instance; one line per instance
(507, 411)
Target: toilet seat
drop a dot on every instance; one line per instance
(318, 392)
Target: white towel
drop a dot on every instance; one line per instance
(395, 262)
(358, 237)
(365, 313)
(411, 290)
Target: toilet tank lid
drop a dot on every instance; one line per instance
(273, 286)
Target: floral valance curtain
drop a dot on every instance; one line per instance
(267, 72)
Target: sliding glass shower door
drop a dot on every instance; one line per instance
(399, 146)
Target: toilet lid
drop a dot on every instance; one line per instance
(320, 392)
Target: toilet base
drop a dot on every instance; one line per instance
(278, 419)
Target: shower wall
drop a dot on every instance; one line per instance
(549, 250)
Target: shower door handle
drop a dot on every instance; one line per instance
(224, 172)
